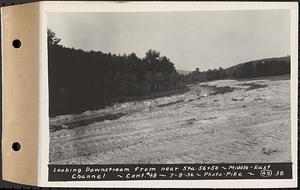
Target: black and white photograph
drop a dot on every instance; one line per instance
(195, 87)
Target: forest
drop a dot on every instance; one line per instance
(80, 81)
(85, 80)
(251, 69)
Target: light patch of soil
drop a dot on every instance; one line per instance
(199, 126)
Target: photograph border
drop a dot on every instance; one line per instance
(46, 7)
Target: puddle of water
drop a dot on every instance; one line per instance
(85, 121)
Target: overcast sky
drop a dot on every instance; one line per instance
(206, 39)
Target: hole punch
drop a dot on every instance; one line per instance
(16, 43)
(16, 146)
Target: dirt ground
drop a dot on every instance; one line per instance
(251, 123)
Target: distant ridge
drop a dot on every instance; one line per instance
(257, 68)
(273, 60)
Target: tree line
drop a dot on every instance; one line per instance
(83, 80)
(257, 68)
(80, 80)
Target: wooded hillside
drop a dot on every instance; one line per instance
(257, 68)
(79, 80)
